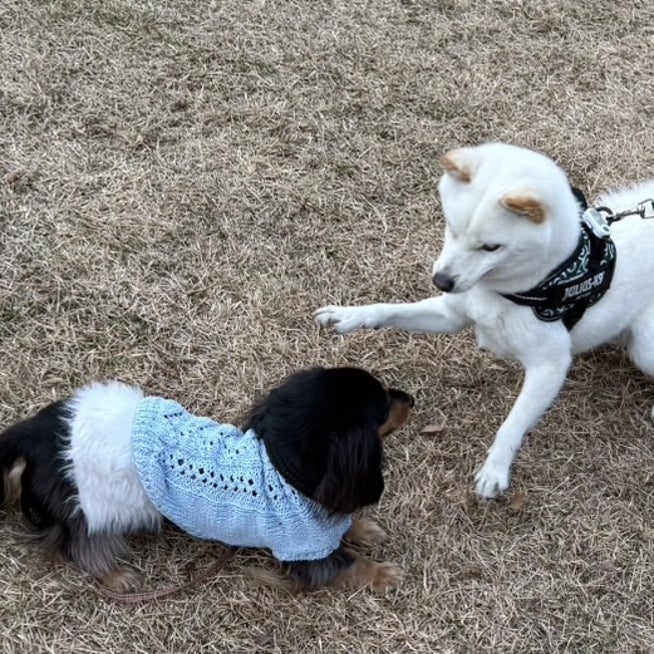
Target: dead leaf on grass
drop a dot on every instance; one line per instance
(517, 503)
(433, 428)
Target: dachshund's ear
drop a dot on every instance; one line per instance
(353, 474)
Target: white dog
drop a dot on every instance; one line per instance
(513, 225)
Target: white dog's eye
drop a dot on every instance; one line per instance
(489, 247)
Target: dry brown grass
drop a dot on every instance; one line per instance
(185, 182)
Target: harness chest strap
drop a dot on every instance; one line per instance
(576, 284)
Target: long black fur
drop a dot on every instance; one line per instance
(320, 427)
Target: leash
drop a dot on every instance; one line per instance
(644, 209)
(148, 596)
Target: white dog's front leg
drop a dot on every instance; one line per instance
(436, 315)
(542, 383)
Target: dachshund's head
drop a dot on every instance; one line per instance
(323, 431)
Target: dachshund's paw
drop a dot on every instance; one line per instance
(121, 579)
(385, 576)
(365, 532)
(381, 577)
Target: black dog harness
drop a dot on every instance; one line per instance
(578, 283)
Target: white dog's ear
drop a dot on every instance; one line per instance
(526, 204)
(458, 164)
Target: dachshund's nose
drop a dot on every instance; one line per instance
(443, 282)
(403, 398)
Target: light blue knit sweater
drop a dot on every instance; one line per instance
(217, 483)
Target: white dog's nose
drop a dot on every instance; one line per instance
(443, 282)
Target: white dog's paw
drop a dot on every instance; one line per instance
(347, 319)
(492, 479)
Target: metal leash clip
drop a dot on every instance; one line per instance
(597, 223)
(643, 208)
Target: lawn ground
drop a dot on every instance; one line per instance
(182, 184)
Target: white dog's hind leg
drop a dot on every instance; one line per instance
(435, 315)
(641, 344)
(641, 341)
(542, 384)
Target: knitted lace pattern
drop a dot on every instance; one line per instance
(217, 483)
